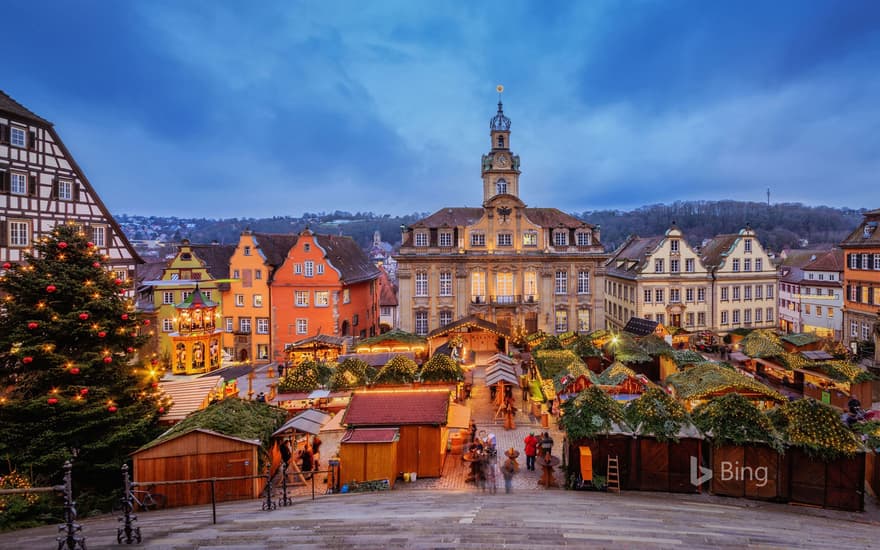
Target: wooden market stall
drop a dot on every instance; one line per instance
(476, 335)
(703, 382)
(200, 454)
(421, 417)
(369, 454)
(321, 347)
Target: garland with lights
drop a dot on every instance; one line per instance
(399, 370)
(815, 428)
(657, 414)
(593, 412)
(72, 385)
(734, 420)
(441, 368)
(351, 373)
(301, 378)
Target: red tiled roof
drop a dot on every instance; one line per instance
(397, 408)
(830, 261)
(345, 255)
(371, 435)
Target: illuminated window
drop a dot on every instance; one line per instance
(561, 321)
(322, 298)
(239, 300)
(530, 238)
(258, 300)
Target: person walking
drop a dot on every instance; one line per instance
(546, 446)
(531, 443)
(507, 471)
(316, 453)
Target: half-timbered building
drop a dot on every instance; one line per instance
(41, 186)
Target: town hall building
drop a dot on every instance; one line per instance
(524, 269)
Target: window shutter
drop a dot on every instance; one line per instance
(3, 240)
(4, 133)
(32, 185)
(4, 181)
(32, 141)
(75, 186)
(54, 188)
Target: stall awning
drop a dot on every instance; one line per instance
(309, 421)
(501, 375)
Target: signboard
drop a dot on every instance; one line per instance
(826, 397)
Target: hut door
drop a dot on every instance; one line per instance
(429, 451)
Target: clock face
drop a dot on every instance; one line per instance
(502, 160)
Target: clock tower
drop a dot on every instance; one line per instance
(500, 166)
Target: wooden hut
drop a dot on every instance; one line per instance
(421, 418)
(206, 445)
(369, 454)
(200, 454)
(477, 335)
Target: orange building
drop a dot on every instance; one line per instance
(248, 305)
(326, 285)
(861, 279)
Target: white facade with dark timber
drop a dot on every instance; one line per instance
(42, 186)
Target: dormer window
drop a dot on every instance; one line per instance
(501, 187)
(445, 239)
(584, 238)
(421, 239)
(560, 238)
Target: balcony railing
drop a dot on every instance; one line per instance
(505, 299)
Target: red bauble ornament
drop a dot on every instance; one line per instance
(125, 316)
(83, 316)
(154, 362)
(96, 265)
(62, 245)
(118, 281)
(32, 325)
(112, 408)
(161, 410)
(74, 370)
(51, 288)
(129, 350)
(7, 265)
(108, 359)
(84, 391)
(90, 244)
(102, 334)
(147, 322)
(155, 384)
(52, 400)
(27, 360)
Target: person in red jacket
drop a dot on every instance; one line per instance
(531, 450)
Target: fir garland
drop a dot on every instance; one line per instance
(593, 412)
(734, 420)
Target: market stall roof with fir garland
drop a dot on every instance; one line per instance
(816, 428)
(684, 357)
(760, 344)
(708, 380)
(593, 412)
(625, 349)
(734, 420)
(657, 414)
(655, 346)
(239, 418)
(391, 340)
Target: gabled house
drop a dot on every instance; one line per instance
(660, 279)
(247, 317)
(326, 285)
(41, 186)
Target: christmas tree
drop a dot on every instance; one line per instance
(70, 385)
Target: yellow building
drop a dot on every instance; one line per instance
(193, 265)
(729, 284)
(524, 269)
(660, 279)
(743, 282)
(247, 334)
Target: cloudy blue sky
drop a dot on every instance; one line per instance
(235, 108)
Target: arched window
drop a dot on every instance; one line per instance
(501, 186)
(501, 141)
